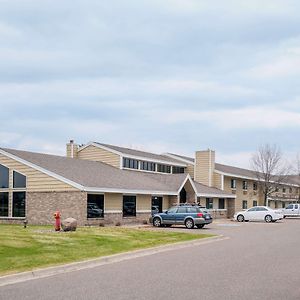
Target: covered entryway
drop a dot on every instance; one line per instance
(157, 204)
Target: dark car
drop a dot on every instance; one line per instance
(188, 215)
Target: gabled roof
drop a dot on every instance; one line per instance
(239, 172)
(138, 154)
(99, 177)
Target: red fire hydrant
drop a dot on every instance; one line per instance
(57, 220)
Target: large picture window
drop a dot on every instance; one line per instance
(4, 204)
(95, 206)
(129, 206)
(19, 204)
(4, 177)
(19, 180)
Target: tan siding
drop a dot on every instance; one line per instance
(113, 201)
(97, 154)
(190, 170)
(143, 202)
(217, 180)
(36, 180)
(204, 167)
(241, 195)
(166, 203)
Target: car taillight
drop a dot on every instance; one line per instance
(200, 215)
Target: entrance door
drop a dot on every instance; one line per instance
(183, 196)
(157, 204)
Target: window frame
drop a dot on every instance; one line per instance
(12, 205)
(8, 178)
(5, 193)
(244, 206)
(233, 184)
(13, 180)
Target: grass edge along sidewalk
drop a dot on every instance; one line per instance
(40, 246)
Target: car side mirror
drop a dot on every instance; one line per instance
(166, 212)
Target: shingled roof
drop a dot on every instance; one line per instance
(92, 175)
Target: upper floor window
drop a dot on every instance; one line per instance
(19, 180)
(291, 190)
(283, 189)
(130, 163)
(4, 177)
(254, 186)
(163, 168)
(177, 170)
(277, 189)
(147, 166)
(245, 185)
(233, 183)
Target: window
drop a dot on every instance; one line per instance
(177, 170)
(254, 203)
(277, 189)
(95, 206)
(296, 206)
(19, 200)
(291, 190)
(181, 210)
(172, 210)
(290, 206)
(19, 180)
(283, 190)
(233, 183)
(261, 209)
(209, 203)
(130, 163)
(253, 209)
(283, 204)
(3, 204)
(4, 177)
(129, 206)
(163, 168)
(254, 186)
(245, 185)
(221, 203)
(193, 210)
(245, 204)
(147, 166)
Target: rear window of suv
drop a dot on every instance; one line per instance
(193, 210)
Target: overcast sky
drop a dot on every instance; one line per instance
(157, 75)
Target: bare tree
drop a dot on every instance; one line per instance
(270, 170)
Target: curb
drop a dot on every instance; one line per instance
(96, 262)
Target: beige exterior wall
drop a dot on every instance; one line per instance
(113, 202)
(217, 179)
(36, 180)
(190, 170)
(72, 150)
(204, 167)
(97, 154)
(249, 195)
(143, 203)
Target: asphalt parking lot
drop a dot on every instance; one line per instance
(257, 261)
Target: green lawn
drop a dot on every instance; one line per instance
(40, 246)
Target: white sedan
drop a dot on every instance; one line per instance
(258, 213)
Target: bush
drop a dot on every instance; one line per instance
(101, 225)
(118, 223)
(145, 222)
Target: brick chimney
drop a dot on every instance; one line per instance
(72, 149)
(204, 167)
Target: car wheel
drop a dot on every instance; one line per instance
(189, 223)
(268, 218)
(240, 218)
(157, 222)
(200, 226)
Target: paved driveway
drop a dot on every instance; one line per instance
(259, 261)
